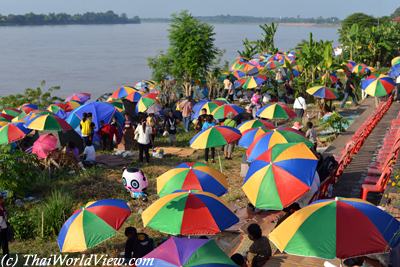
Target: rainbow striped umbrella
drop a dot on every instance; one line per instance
(275, 111)
(92, 224)
(122, 92)
(280, 176)
(12, 132)
(361, 69)
(185, 252)
(134, 97)
(378, 86)
(332, 77)
(251, 124)
(71, 105)
(117, 103)
(5, 117)
(28, 107)
(350, 65)
(11, 111)
(222, 112)
(189, 213)
(272, 138)
(210, 106)
(250, 135)
(322, 92)
(192, 176)
(337, 228)
(20, 117)
(214, 137)
(250, 82)
(48, 122)
(273, 64)
(57, 110)
(145, 103)
(395, 61)
(222, 100)
(80, 97)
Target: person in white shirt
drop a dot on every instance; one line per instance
(300, 106)
(227, 87)
(89, 155)
(143, 137)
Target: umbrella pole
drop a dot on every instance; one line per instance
(219, 160)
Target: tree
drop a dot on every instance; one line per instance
(396, 13)
(363, 20)
(267, 43)
(249, 49)
(37, 96)
(191, 53)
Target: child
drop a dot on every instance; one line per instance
(239, 260)
(208, 124)
(311, 134)
(260, 251)
(89, 154)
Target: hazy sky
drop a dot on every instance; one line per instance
(163, 8)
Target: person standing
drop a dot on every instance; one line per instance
(349, 90)
(152, 123)
(85, 126)
(227, 86)
(3, 228)
(187, 109)
(311, 134)
(143, 134)
(128, 133)
(208, 124)
(228, 149)
(256, 102)
(170, 127)
(300, 106)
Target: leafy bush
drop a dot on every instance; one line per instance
(24, 224)
(18, 171)
(56, 210)
(336, 122)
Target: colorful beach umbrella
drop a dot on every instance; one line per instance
(330, 77)
(80, 97)
(272, 138)
(12, 132)
(350, 65)
(141, 86)
(361, 69)
(250, 135)
(57, 110)
(20, 117)
(394, 71)
(337, 228)
(250, 82)
(256, 123)
(117, 103)
(44, 145)
(222, 112)
(185, 252)
(322, 92)
(280, 176)
(48, 122)
(5, 117)
(11, 111)
(145, 103)
(273, 64)
(122, 92)
(71, 105)
(378, 86)
(92, 224)
(275, 111)
(210, 106)
(214, 137)
(192, 176)
(395, 61)
(28, 107)
(189, 213)
(134, 97)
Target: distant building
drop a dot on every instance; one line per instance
(396, 19)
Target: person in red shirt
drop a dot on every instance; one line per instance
(106, 135)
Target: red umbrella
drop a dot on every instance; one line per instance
(44, 145)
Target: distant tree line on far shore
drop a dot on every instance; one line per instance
(108, 17)
(250, 19)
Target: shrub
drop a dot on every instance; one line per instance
(23, 224)
(18, 171)
(56, 210)
(336, 122)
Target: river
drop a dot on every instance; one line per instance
(99, 58)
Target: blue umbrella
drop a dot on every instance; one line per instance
(101, 111)
(394, 71)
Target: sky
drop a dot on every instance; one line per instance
(163, 8)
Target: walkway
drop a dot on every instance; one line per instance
(349, 184)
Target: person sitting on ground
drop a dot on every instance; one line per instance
(311, 134)
(260, 250)
(137, 244)
(89, 155)
(288, 211)
(297, 126)
(228, 149)
(239, 260)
